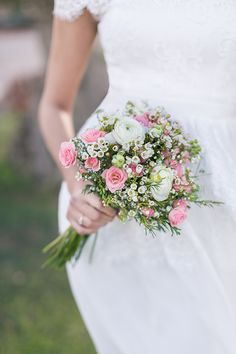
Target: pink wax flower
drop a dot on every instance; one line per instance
(166, 132)
(148, 212)
(143, 119)
(92, 135)
(92, 163)
(115, 178)
(134, 169)
(177, 150)
(82, 170)
(182, 185)
(185, 185)
(187, 188)
(173, 163)
(179, 170)
(67, 154)
(166, 153)
(177, 216)
(185, 156)
(180, 203)
(176, 166)
(177, 186)
(167, 162)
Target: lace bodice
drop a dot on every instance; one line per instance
(164, 45)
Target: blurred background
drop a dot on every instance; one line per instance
(37, 311)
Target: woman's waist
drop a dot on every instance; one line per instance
(180, 107)
(192, 112)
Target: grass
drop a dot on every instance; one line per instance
(37, 311)
(9, 125)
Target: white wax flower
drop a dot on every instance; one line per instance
(94, 154)
(139, 168)
(135, 159)
(85, 156)
(142, 189)
(100, 153)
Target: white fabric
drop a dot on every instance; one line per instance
(167, 295)
(69, 10)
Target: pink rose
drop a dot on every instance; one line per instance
(177, 216)
(180, 203)
(92, 135)
(143, 119)
(115, 178)
(148, 212)
(67, 154)
(92, 163)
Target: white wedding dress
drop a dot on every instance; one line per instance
(167, 295)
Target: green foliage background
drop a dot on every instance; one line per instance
(37, 311)
(38, 314)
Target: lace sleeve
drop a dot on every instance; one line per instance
(70, 10)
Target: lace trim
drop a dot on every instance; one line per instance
(70, 10)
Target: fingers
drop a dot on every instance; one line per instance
(92, 207)
(94, 214)
(110, 212)
(86, 228)
(95, 202)
(81, 229)
(88, 225)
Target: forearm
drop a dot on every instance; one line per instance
(70, 48)
(57, 126)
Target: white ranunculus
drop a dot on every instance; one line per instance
(127, 130)
(110, 138)
(164, 176)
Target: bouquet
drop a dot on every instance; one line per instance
(138, 161)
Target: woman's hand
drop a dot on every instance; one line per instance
(86, 212)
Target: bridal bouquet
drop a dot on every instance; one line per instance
(139, 162)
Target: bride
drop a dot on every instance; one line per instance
(144, 295)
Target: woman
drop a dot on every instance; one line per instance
(160, 295)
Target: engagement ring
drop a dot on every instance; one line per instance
(81, 218)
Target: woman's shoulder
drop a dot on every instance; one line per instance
(70, 10)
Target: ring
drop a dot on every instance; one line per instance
(81, 218)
